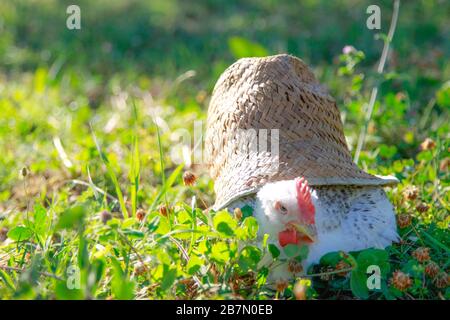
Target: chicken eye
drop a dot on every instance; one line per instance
(280, 207)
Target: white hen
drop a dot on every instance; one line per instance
(326, 218)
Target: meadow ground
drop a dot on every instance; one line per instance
(92, 199)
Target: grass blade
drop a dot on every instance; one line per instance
(135, 173)
(167, 185)
(112, 175)
(161, 159)
(135, 166)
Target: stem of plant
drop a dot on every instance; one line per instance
(46, 274)
(125, 239)
(328, 273)
(374, 93)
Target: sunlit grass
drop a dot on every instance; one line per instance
(101, 211)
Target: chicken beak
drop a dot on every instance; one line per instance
(308, 230)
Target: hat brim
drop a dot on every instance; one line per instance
(382, 181)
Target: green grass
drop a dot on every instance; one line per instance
(92, 116)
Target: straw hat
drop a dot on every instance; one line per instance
(268, 120)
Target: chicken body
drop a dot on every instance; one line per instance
(347, 218)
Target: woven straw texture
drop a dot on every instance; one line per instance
(268, 120)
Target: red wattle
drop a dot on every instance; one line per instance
(288, 237)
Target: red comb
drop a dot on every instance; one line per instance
(305, 205)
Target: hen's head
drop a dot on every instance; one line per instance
(289, 211)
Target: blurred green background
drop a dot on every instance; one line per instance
(162, 38)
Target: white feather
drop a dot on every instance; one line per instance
(368, 222)
(348, 218)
